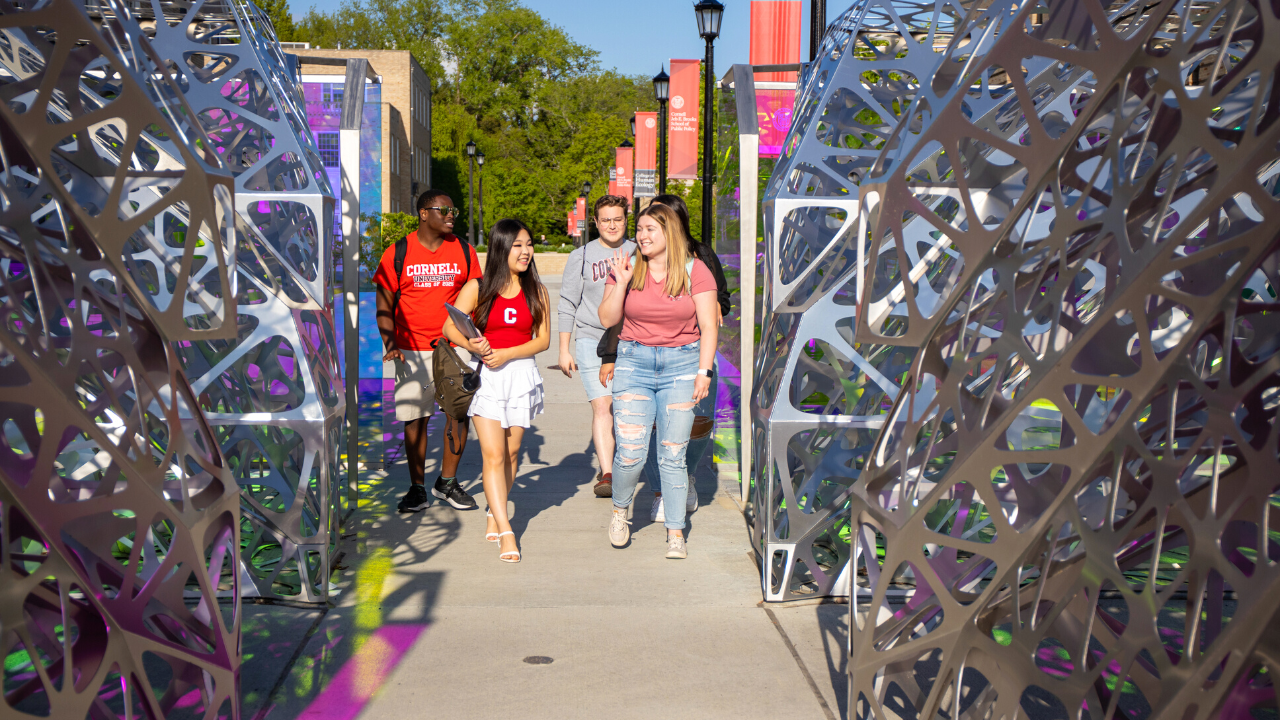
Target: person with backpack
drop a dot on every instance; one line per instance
(510, 307)
(415, 278)
(581, 291)
(666, 302)
(704, 414)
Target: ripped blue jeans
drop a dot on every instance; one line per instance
(653, 384)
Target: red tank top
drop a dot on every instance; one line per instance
(510, 322)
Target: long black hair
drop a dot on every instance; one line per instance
(497, 273)
(676, 203)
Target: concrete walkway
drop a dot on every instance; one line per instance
(429, 624)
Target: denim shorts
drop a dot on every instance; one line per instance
(589, 368)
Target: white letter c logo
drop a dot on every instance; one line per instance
(509, 316)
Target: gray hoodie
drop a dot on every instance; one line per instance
(582, 288)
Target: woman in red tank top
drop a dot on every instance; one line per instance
(510, 307)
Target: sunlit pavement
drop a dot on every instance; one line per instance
(429, 623)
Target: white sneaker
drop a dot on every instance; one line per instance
(691, 503)
(656, 513)
(619, 530)
(676, 548)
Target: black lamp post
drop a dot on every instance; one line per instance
(709, 13)
(634, 197)
(586, 211)
(480, 162)
(817, 26)
(471, 191)
(662, 91)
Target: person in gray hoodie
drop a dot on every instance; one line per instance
(581, 291)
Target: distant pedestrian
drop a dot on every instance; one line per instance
(704, 414)
(666, 301)
(581, 291)
(416, 277)
(512, 310)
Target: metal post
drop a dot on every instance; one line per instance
(817, 26)
(349, 163)
(481, 205)
(471, 200)
(744, 95)
(708, 148)
(662, 147)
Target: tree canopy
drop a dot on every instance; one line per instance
(537, 103)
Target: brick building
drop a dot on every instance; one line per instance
(398, 103)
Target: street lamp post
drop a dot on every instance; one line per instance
(635, 198)
(709, 13)
(817, 26)
(471, 191)
(661, 91)
(586, 211)
(480, 162)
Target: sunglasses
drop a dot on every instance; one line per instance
(445, 211)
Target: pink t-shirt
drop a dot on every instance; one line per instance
(654, 318)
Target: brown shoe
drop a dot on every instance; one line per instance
(604, 487)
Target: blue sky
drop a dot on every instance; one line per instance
(637, 37)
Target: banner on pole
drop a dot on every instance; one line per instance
(570, 225)
(646, 155)
(622, 171)
(613, 181)
(775, 40)
(582, 217)
(682, 127)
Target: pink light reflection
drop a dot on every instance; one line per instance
(363, 674)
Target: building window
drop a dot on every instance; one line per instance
(328, 142)
(332, 93)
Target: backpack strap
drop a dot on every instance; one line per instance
(402, 249)
(466, 254)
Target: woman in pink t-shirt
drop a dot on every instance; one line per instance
(666, 301)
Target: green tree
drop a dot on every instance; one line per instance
(281, 21)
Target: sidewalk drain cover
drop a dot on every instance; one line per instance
(539, 660)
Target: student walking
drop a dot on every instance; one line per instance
(704, 414)
(416, 277)
(511, 308)
(666, 301)
(581, 291)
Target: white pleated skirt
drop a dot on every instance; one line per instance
(510, 394)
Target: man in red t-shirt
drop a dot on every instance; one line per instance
(435, 269)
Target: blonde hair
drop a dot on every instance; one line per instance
(678, 280)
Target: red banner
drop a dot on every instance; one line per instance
(775, 40)
(572, 225)
(613, 180)
(581, 216)
(682, 114)
(622, 164)
(646, 155)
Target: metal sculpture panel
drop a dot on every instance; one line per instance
(820, 399)
(118, 519)
(1062, 496)
(274, 393)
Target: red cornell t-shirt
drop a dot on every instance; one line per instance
(430, 280)
(652, 317)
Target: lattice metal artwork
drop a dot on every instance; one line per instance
(1076, 494)
(814, 386)
(118, 518)
(274, 394)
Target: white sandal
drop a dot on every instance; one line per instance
(506, 556)
(490, 537)
(493, 537)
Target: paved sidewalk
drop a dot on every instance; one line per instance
(429, 623)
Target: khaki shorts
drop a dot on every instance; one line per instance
(415, 389)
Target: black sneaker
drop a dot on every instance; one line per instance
(414, 500)
(452, 493)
